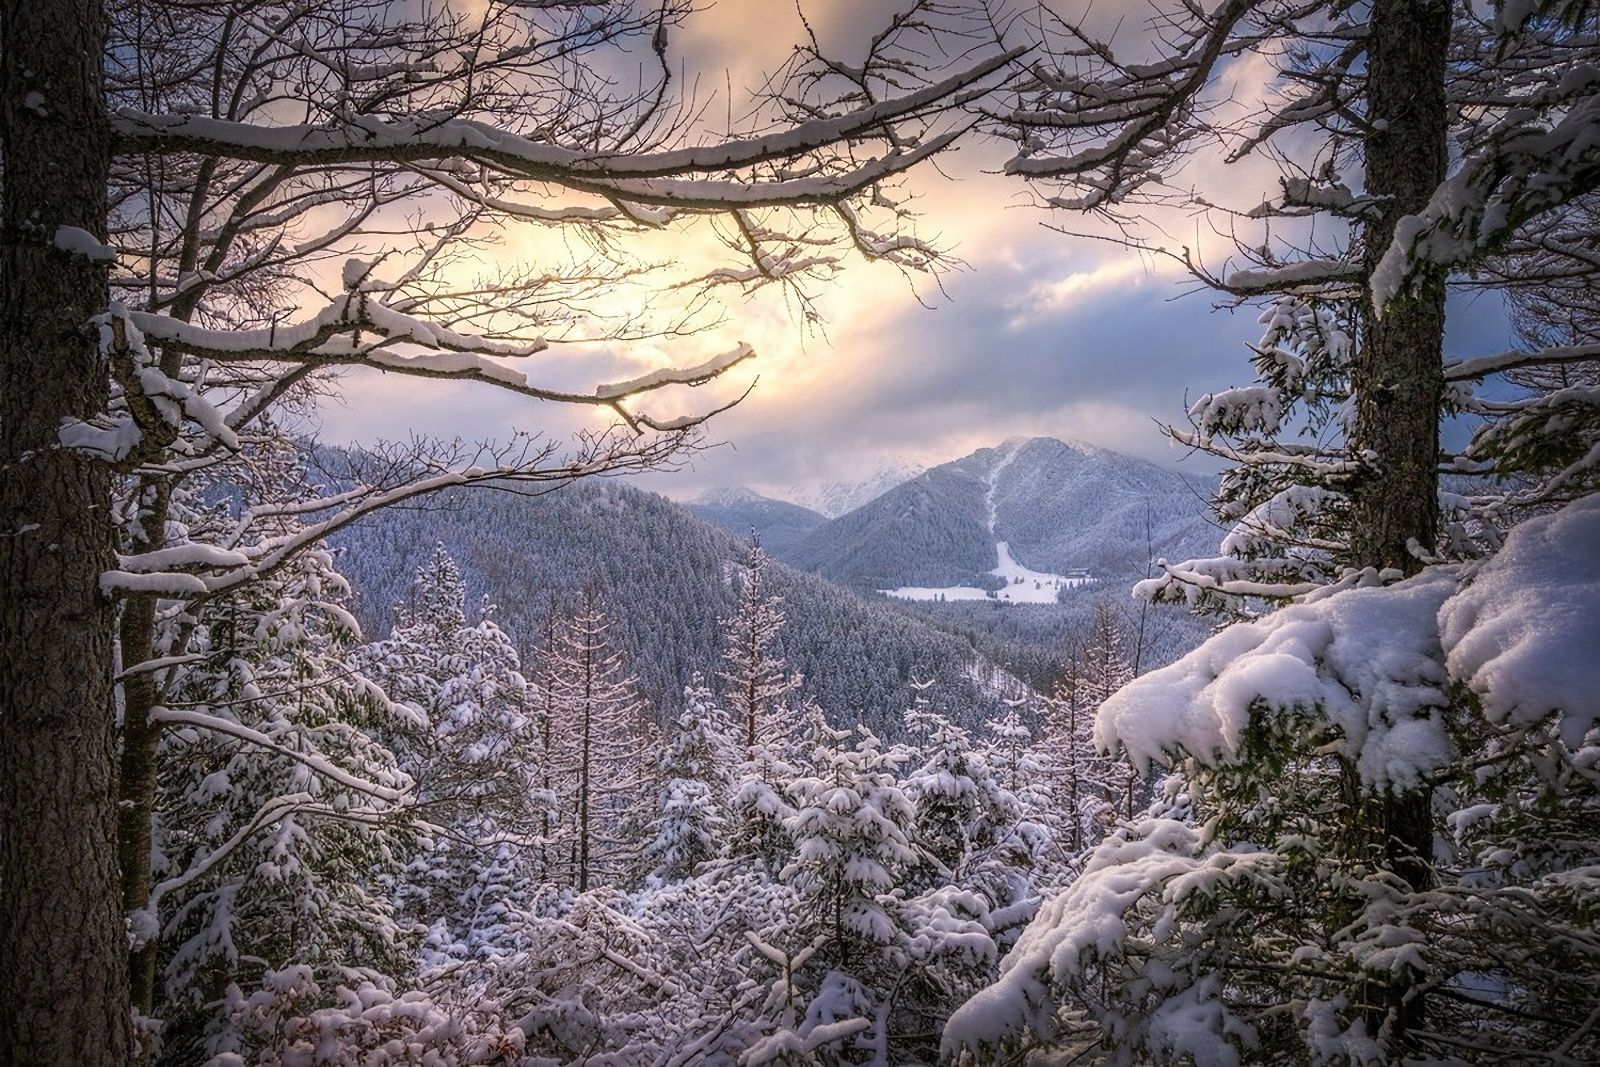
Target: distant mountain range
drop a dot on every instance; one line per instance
(666, 576)
(784, 518)
(780, 525)
(833, 499)
(1028, 505)
(1038, 511)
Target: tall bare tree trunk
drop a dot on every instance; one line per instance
(585, 755)
(137, 787)
(1398, 381)
(63, 986)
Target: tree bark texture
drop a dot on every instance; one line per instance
(1398, 375)
(1398, 383)
(63, 985)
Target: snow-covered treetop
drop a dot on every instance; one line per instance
(1368, 670)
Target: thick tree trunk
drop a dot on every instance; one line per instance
(1398, 376)
(1398, 383)
(63, 988)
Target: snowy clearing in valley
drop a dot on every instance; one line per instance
(1023, 586)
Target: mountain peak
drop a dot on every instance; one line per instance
(1071, 444)
(834, 499)
(730, 496)
(1037, 506)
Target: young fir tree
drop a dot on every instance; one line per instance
(1087, 787)
(1023, 773)
(755, 681)
(1069, 751)
(853, 830)
(1010, 749)
(1107, 667)
(962, 815)
(544, 699)
(689, 826)
(759, 811)
(469, 746)
(754, 676)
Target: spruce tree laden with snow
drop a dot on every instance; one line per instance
(470, 746)
(759, 811)
(966, 823)
(1022, 769)
(1290, 900)
(852, 829)
(692, 768)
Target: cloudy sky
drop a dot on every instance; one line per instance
(1037, 333)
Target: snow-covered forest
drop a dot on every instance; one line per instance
(432, 749)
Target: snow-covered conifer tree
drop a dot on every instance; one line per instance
(961, 813)
(754, 677)
(470, 747)
(759, 811)
(544, 700)
(1107, 667)
(1069, 749)
(754, 683)
(283, 810)
(1022, 769)
(688, 829)
(853, 830)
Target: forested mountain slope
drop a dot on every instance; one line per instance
(1060, 507)
(779, 524)
(1063, 506)
(931, 531)
(666, 578)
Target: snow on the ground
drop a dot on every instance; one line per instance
(1029, 586)
(1023, 586)
(948, 592)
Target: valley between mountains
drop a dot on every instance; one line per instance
(990, 562)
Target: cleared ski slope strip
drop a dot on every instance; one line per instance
(1023, 586)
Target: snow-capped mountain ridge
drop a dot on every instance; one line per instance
(1038, 509)
(730, 496)
(833, 499)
